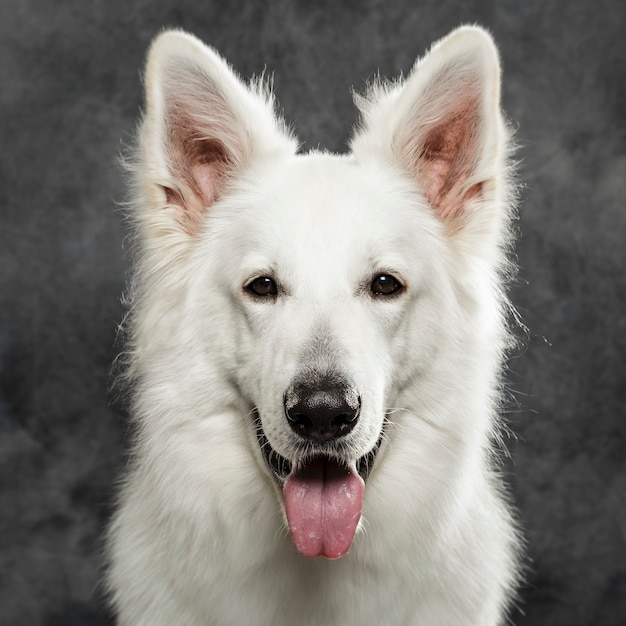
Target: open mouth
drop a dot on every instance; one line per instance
(281, 468)
(323, 497)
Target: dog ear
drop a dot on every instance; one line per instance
(443, 125)
(202, 127)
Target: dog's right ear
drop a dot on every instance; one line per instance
(202, 127)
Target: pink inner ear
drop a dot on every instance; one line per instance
(203, 183)
(206, 176)
(448, 158)
(202, 142)
(201, 166)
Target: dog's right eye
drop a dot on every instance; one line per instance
(262, 287)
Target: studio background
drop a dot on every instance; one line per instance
(70, 95)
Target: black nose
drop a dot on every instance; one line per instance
(322, 411)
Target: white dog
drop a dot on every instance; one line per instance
(315, 351)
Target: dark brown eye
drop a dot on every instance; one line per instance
(385, 285)
(262, 287)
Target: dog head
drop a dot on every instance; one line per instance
(320, 287)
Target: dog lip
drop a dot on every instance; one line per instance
(280, 467)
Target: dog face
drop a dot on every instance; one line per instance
(318, 312)
(331, 275)
(319, 309)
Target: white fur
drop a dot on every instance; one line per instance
(200, 536)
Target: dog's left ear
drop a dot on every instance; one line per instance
(444, 127)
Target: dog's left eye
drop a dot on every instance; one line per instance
(262, 287)
(385, 285)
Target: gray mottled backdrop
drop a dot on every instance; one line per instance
(70, 95)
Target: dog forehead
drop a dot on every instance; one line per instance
(324, 220)
(328, 186)
(336, 200)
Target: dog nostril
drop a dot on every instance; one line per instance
(322, 412)
(342, 421)
(300, 422)
(348, 418)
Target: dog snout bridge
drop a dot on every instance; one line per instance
(322, 411)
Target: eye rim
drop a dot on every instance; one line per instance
(261, 293)
(397, 287)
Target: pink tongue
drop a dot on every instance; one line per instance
(323, 502)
